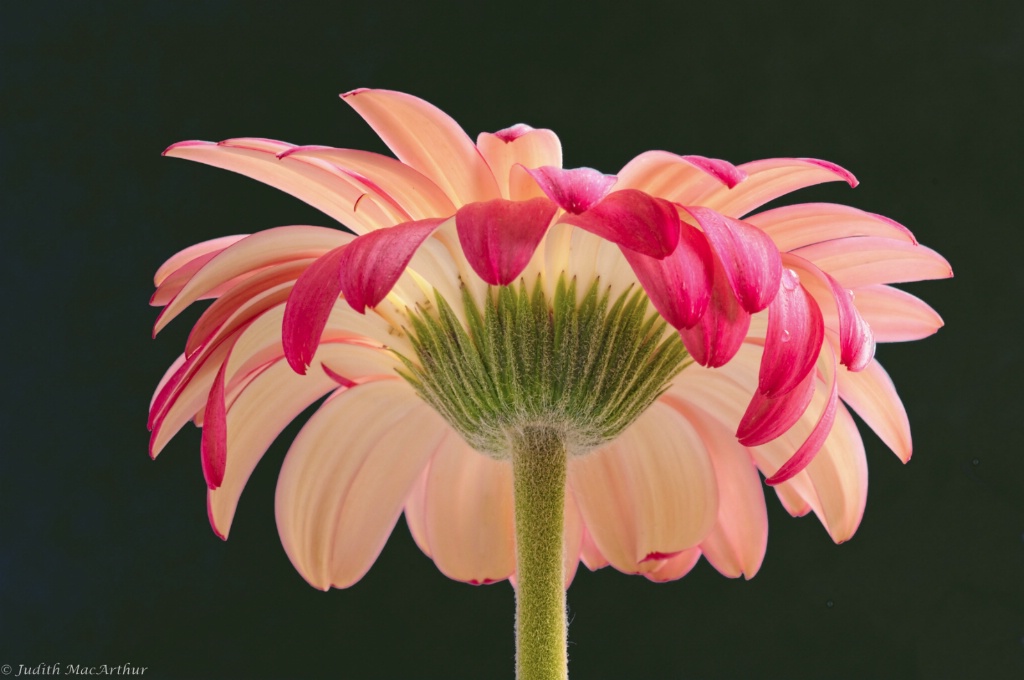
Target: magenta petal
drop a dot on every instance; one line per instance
(720, 332)
(768, 417)
(748, 255)
(633, 219)
(308, 307)
(795, 333)
(575, 190)
(499, 236)
(372, 263)
(680, 285)
(214, 444)
(805, 454)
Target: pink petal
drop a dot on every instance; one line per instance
(342, 488)
(468, 510)
(308, 306)
(793, 342)
(871, 394)
(263, 249)
(634, 220)
(719, 334)
(576, 190)
(834, 485)
(857, 343)
(272, 400)
(679, 179)
(499, 237)
(428, 140)
(214, 447)
(894, 315)
(652, 490)
(519, 145)
(372, 263)
(866, 261)
(805, 454)
(315, 182)
(769, 179)
(768, 417)
(748, 256)
(245, 299)
(679, 285)
(418, 197)
(183, 257)
(795, 226)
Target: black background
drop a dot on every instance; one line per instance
(106, 557)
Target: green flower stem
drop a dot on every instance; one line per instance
(539, 462)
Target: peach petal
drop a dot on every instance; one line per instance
(769, 179)
(413, 192)
(312, 181)
(675, 178)
(468, 514)
(527, 147)
(183, 257)
(428, 140)
(869, 260)
(804, 224)
(270, 247)
(342, 487)
(872, 395)
(894, 315)
(652, 490)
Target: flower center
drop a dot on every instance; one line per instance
(582, 369)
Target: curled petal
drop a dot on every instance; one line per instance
(805, 454)
(748, 256)
(768, 417)
(719, 334)
(371, 264)
(518, 145)
(680, 285)
(214, 446)
(632, 219)
(576, 190)
(795, 333)
(428, 140)
(499, 236)
(308, 307)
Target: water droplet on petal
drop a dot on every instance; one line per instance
(851, 294)
(790, 280)
(786, 335)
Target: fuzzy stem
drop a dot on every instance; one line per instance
(539, 467)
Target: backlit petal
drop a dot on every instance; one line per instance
(346, 477)
(855, 262)
(795, 334)
(872, 395)
(679, 179)
(576, 190)
(519, 145)
(428, 140)
(795, 226)
(896, 316)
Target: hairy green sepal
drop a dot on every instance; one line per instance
(583, 369)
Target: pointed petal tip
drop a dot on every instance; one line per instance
(337, 377)
(839, 171)
(352, 93)
(725, 172)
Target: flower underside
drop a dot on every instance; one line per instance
(580, 368)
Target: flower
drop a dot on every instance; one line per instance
(778, 313)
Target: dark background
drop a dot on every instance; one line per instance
(106, 557)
